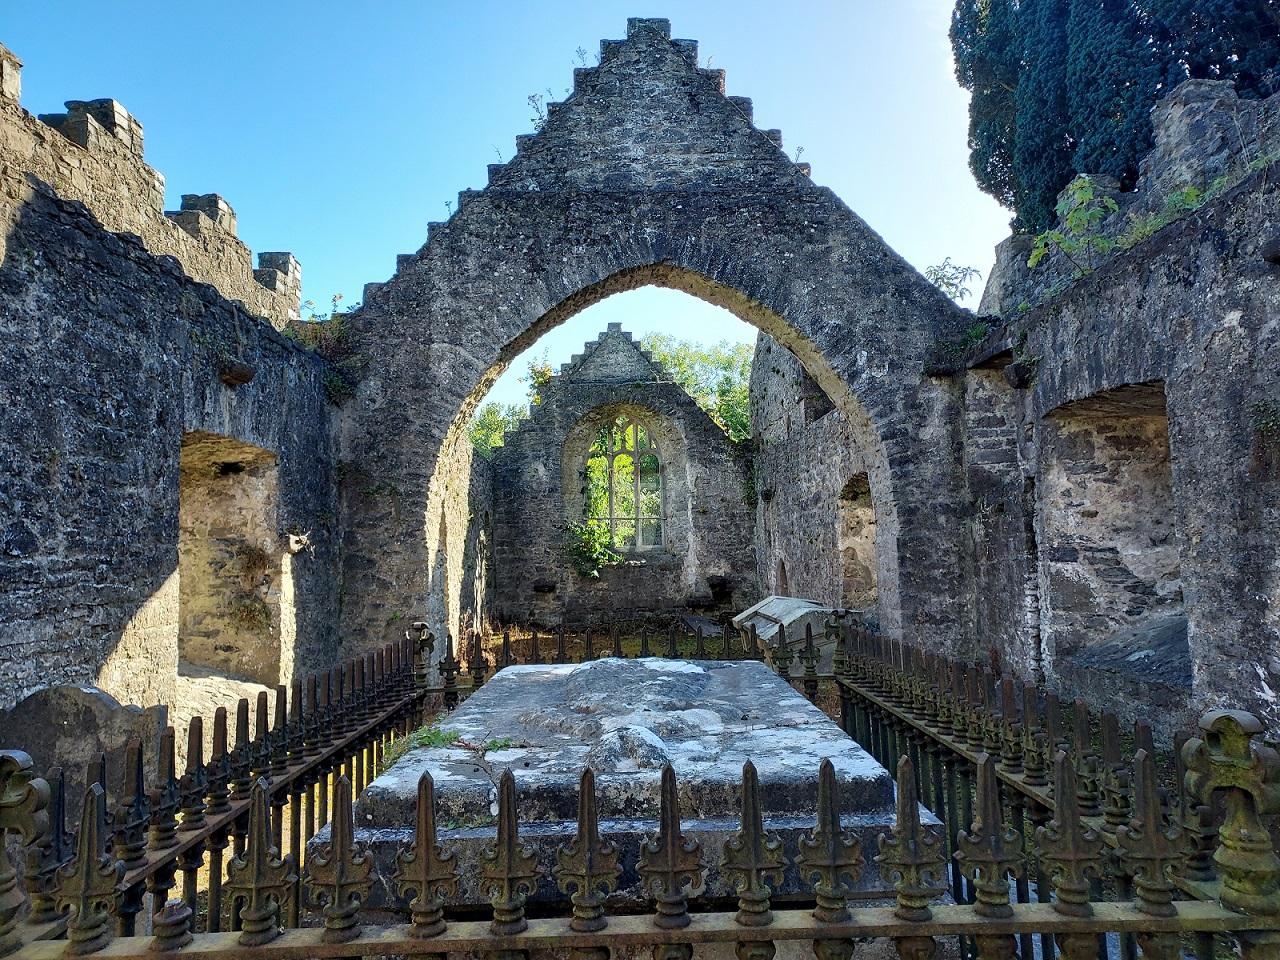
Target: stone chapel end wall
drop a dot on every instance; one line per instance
(705, 561)
(112, 357)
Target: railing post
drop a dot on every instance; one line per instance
(1229, 759)
(669, 864)
(449, 674)
(830, 858)
(24, 799)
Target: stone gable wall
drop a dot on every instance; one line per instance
(707, 204)
(705, 562)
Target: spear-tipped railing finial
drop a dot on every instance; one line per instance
(87, 888)
(259, 880)
(426, 870)
(989, 852)
(752, 858)
(1151, 845)
(830, 857)
(670, 862)
(510, 869)
(916, 857)
(339, 873)
(1070, 851)
(587, 867)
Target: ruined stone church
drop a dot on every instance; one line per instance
(1085, 491)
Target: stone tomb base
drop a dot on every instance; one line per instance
(625, 719)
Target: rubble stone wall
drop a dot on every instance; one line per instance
(705, 561)
(112, 356)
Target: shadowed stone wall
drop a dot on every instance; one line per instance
(539, 484)
(1145, 505)
(807, 459)
(111, 357)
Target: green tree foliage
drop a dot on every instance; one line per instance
(988, 53)
(718, 377)
(1042, 152)
(953, 279)
(491, 421)
(1062, 87)
(1113, 77)
(1236, 40)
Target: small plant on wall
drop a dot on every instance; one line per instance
(589, 548)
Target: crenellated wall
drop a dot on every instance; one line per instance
(93, 153)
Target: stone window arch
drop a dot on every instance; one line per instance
(623, 484)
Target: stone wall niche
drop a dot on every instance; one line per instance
(857, 538)
(1112, 605)
(232, 589)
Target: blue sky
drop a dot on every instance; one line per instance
(338, 129)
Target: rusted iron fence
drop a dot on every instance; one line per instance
(948, 714)
(1033, 811)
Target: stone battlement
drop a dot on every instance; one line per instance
(93, 153)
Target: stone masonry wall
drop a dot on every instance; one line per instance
(705, 561)
(647, 174)
(112, 356)
(93, 153)
(807, 460)
(1191, 315)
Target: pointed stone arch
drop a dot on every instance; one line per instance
(647, 174)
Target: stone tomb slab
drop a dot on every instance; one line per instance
(626, 719)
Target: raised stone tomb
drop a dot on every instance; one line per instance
(626, 719)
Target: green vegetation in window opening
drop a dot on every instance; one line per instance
(429, 735)
(590, 548)
(953, 279)
(251, 614)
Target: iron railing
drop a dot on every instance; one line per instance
(1039, 817)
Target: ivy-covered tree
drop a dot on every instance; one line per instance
(1043, 149)
(1065, 87)
(988, 52)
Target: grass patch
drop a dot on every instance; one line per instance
(426, 736)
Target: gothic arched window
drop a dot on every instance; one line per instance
(623, 485)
